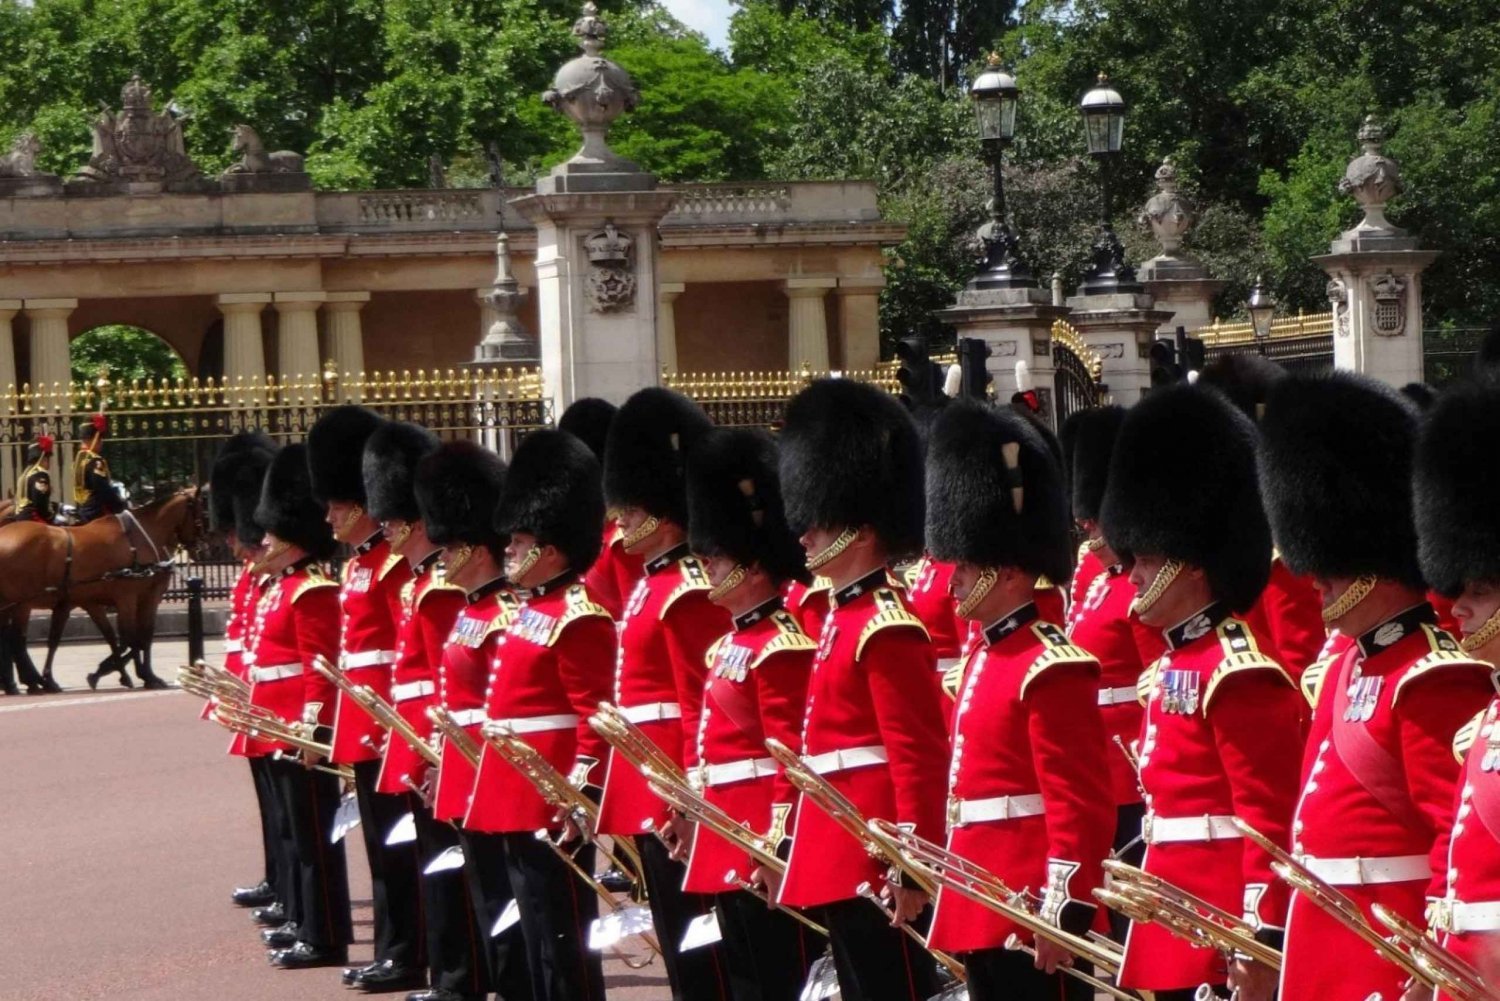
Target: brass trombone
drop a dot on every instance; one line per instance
(632, 743)
(1449, 972)
(1140, 896)
(255, 721)
(454, 734)
(378, 709)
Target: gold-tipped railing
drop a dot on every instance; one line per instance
(1286, 328)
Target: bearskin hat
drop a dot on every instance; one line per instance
(850, 456)
(645, 455)
(995, 493)
(1245, 378)
(734, 503)
(1335, 476)
(287, 509)
(389, 466)
(234, 483)
(1181, 485)
(1423, 395)
(335, 453)
(457, 488)
(1487, 357)
(553, 491)
(588, 420)
(1456, 484)
(1088, 438)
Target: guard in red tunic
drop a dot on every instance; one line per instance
(851, 474)
(808, 603)
(457, 488)
(297, 620)
(370, 608)
(456, 969)
(1458, 523)
(1379, 774)
(664, 639)
(614, 573)
(549, 672)
(1028, 786)
(757, 688)
(1222, 734)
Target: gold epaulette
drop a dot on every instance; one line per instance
(1467, 735)
(311, 582)
(391, 562)
(509, 604)
(694, 578)
(819, 585)
(713, 650)
(953, 678)
(1445, 653)
(1144, 683)
(909, 574)
(1240, 654)
(579, 606)
(1312, 679)
(1057, 651)
(436, 583)
(890, 611)
(789, 636)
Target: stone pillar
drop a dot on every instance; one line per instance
(51, 362)
(346, 342)
(807, 323)
(1120, 327)
(9, 386)
(244, 348)
(666, 324)
(1016, 323)
(1375, 275)
(859, 321)
(297, 335)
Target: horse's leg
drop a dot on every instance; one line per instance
(145, 635)
(116, 661)
(7, 667)
(55, 627)
(16, 632)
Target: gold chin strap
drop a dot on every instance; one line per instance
(271, 555)
(399, 539)
(1094, 545)
(643, 531)
(521, 569)
(832, 551)
(734, 579)
(460, 557)
(982, 586)
(1352, 596)
(1158, 587)
(355, 513)
(1483, 636)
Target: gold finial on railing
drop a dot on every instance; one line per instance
(330, 379)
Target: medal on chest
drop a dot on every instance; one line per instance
(358, 580)
(1491, 736)
(732, 663)
(1364, 695)
(533, 626)
(408, 596)
(1179, 692)
(468, 632)
(826, 640)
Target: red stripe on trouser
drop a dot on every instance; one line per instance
(322, 864)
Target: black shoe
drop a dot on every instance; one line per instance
(11, 690)
(616, 881)
(271, 915)
(387, 975)
(280, 937)
(93, 680)
(151, 681)
(259, 895)
(305, 956)
(51, 687)
(441, 994)
(125, 681)
(351, 974)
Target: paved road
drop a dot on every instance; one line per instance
(123, 827)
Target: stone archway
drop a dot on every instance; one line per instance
(128, 352)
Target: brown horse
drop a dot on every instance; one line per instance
(120, 562)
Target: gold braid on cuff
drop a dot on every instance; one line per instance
(1352, 596)
(1483, 636)
(832, 551)
(1158, 586)
(642, 532)
(734, 579)
(982, 586)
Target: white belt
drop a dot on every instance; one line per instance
(1164, 830)
(368, 658)
(1458, 916)
(979, 811)
(411, 690)
(1366, 871)
(234, 646)
(652, 712)
(738, 771)
(1118, 696)
(840, 761)
(276, 672)
(468, 717)
(538, 724)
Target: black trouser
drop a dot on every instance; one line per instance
(321, 879)
(395, 890)
(283, 846)
(490, 892)
(698, 974)
(876, 962)
(1007, 975)
(265, 800)
(556, 911)
(454, 952)
(767, 951)
(1130, 848)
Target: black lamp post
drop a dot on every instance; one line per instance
(1262, 309)
(1104, 129)
(995, 95)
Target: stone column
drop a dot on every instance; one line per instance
(807, 323)
(51, 362)
(244, 348)
(297, 336)
(9, 386)
(859, 321)
(1016, 323)
(666, 324)
(346, 342)
(1120, 327)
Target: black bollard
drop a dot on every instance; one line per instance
(195, 619)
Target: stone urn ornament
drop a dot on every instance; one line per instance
(593, 91)
(1169, 213)
(1372, 179)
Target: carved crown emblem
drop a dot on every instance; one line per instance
(135, 95)
(607, 246)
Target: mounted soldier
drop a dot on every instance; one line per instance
(94, 490)
(34, 487)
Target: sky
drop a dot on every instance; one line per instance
(708, 16)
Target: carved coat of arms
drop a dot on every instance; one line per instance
(138, 144)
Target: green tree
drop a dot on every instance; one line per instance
(127, 353)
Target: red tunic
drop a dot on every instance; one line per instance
(296, 619)
(1377, 799)
(241, 610)
(757, 688)
(669, 624)
(1028, 794)
(550, 671)
(1294, 618)
(429, 606)
(873, 698)
(1087, 567)
(808, 603)
(1101, 622)
(1221, 740)
(370, 602)
(928, 593)
(614, 573)
(1468, 916)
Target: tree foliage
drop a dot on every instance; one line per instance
(127, 354)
